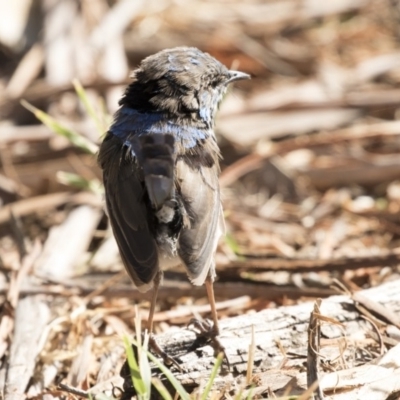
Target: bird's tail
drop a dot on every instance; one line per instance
(158, 161)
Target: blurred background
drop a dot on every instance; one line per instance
(310, 170)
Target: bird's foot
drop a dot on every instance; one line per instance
(209, 332)
(157, 349)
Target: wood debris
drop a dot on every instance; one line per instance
(311, 192)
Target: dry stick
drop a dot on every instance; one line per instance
(7, 317)
(306, 265)
(27, 70)
(309, 392)
(40, 90)
(369, 100)
(11, 173)
(72, 390)
(253, 161)
(382, 347)
(386, 340)
(314, 335)
(250, 361)
(371, 309)
(77, 286)
(241, 167)
(34, 204)
(367, 307)
(104, 286)
(17, 230)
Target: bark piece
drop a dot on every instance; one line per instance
(66, 244)
(281, 339)
(32, 316)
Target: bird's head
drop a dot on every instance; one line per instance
(182, 81)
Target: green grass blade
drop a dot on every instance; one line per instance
(233, 245)
(80, 91)
(250, 393)
(144, 365)
(238, 396)
(74, 137)
(161, 389)
(231, 242)
(106, 118)
(213, 375)
(77, 181)
(137, 381)
(174, 382)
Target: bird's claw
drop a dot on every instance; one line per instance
(168, 360)
(203, 328)
(210, 332)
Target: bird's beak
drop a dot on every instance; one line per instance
(237, 76)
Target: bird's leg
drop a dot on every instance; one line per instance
(156, 285)
(206, 330)
(211, 299)
(152, 340)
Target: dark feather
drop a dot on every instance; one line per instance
(198, 241)
(128, 213)
(155, 154)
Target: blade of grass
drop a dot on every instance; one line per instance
(80, 91)
(137, 381)
(233, 245)
(174, 382)
(71, 179)
(250, 393)
(106, 118)
(213, 375)
(144, 365)
(74, 137)
(238, 395)
(161, 389)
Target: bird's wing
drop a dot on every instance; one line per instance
(128, 212)
(199, 189)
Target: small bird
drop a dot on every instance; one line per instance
(160, 162)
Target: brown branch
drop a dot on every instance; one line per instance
(306, 265)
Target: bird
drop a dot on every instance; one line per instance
(160, 165)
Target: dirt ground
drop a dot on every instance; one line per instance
(310, 173)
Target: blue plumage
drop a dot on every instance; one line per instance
(129, 123)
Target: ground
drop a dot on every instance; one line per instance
(310, 181)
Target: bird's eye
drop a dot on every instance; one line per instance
(215, 83)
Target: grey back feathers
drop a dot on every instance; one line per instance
(160, 165)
